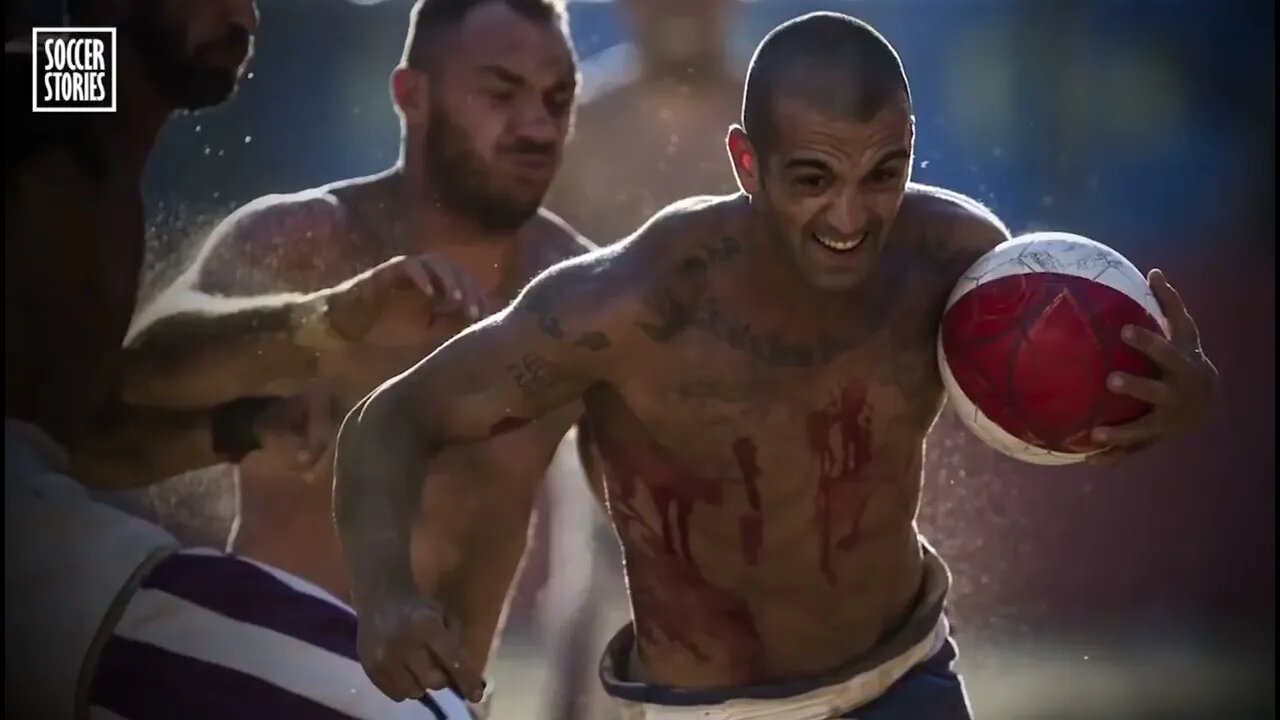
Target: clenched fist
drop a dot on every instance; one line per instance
(407, 648)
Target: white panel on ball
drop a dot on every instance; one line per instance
(1064, 253)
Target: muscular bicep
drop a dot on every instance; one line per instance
(538, 355)
(494, 378)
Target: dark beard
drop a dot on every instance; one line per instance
(184, 80)
(460, 179)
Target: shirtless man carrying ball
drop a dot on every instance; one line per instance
(758, 372)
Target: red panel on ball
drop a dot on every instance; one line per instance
(1033, 351)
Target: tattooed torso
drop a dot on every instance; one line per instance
(763, 464)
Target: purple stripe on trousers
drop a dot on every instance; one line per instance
(144, 682)
(243, 591)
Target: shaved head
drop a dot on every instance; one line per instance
(836, 64)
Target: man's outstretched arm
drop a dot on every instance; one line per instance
(540, 354)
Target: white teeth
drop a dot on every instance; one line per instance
(839, 245)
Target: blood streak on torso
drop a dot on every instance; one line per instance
(840, 440)
(673, 600)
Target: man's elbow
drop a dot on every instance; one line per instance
(374, 431)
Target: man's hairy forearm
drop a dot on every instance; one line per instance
(380, 463)
(199, 357)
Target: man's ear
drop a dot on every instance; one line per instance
(746, 163)
(409, 94)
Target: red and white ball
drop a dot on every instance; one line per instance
(1029, 336)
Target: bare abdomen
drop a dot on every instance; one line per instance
(716, 623)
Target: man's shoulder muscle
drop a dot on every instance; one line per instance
(623, 287)
(635, 263)
(276, 243)
(954, 229)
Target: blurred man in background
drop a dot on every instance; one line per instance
(484, 92)
(104, 613)
(652, 120)
(649, 131)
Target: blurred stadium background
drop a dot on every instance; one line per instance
(1140, 591)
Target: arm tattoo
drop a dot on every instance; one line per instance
(534, 374)
(544, 303)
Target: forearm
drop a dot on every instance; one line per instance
(200, 357)
(476, 589)
(380, 464)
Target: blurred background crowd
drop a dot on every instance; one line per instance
(1143, 590)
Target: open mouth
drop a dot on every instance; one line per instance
(840, 246)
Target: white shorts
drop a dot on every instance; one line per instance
(908, 676)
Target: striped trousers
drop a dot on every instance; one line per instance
(212, 636)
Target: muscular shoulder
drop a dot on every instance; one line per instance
(276, 243)
(550, 240)
(693, 215)
(953, 229)
(647, 283)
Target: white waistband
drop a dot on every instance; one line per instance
(820, 704)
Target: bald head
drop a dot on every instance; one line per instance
(835, 64)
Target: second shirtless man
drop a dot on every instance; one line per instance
(368, 274)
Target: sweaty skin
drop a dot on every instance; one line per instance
(762, 458)
(472, 528)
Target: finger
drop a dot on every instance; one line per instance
(400, 683)
(1155, 346)
(384, 684)
(394, 680)
(1181, 326)
(448, 652)
(373, 284)
(426, 670)
(421, 277)
(473, 297)
(447, 278)
(1145, 429)
(1145, 389)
